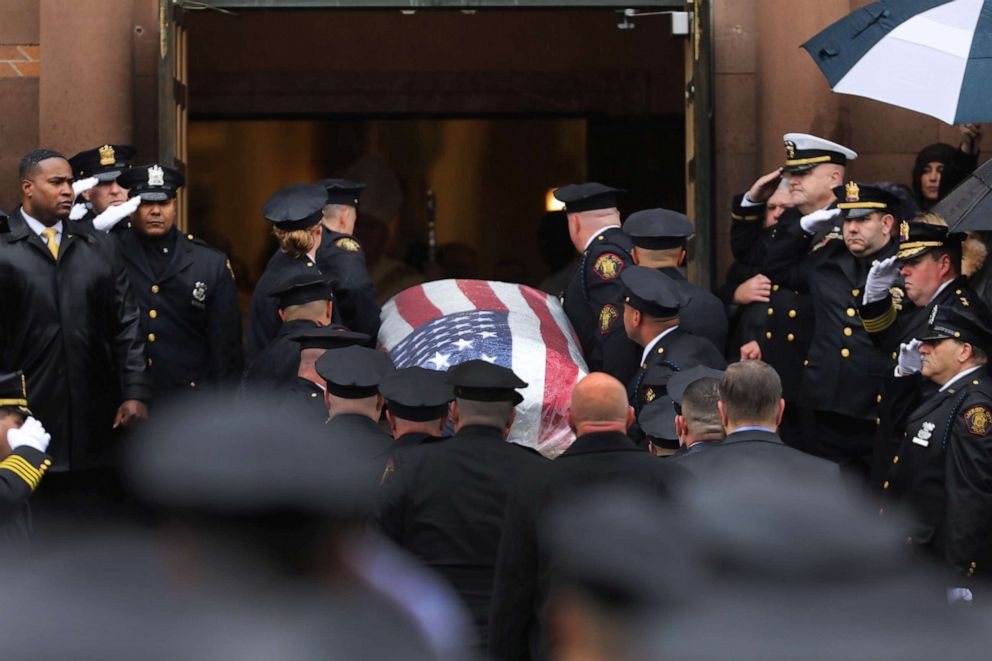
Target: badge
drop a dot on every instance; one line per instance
(349, 244)
(897, 295)
(607, 316)
(608, 266)
(790, 149)
(852, 192)
(926, 431)
(933, 315)
(904, 231)
(978, 420)
(649, 395)
(107, 155)
(156, 176)
(200, 291)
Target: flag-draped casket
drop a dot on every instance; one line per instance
(444, 323)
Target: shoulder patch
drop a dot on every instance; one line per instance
(348, 243)
(608, 266)
(608, 316)
(978, 420)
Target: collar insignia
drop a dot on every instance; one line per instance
(904, 231)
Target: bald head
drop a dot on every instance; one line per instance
(599, 403)
(583, 224)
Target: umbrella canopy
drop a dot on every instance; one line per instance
(931, 56)
(969, 206)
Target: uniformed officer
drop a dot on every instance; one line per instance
(591, 299)
(341, 259)
(417, 402)
(306, 392)
(105, 203)
(185, 290)
(656, 423)
(844, 370)
(652, 309)
(659, 237)
(304, 302)
(295, 213)
(943, 468)
(445, 498)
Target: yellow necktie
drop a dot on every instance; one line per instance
(50, 233)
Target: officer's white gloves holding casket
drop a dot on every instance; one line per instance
(910, 360)
(113, 215)
(881, 277)
(81, 186)
(820, 220)
(31, 434)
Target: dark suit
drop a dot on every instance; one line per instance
(263, 311)
(189, 315)
(341, 260)
(73, 328)
(444, 502)
(516, 628)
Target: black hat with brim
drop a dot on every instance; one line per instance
(342, 191)
(652, 292)
(587, 197)
(416, 393)
(14, 392)
(482, 381)
(154, 183)
(354, 372)
(658, 229)
(106, 163)
(296, 207)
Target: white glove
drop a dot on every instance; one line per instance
(113, 215)
(78, 211)
(880, 278)
(31, 434)
(910, 360)
(819, 220)
(83, 185)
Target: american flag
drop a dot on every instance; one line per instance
(441, 324)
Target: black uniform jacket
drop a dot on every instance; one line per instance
(678, 350)
(760, 447)
(378, 442)
(263, 310)
(522, 571)
(277, 364)
(444, 502)
(844, 369)
(943, 472)
(341, 260)
(20, 473)
(189, 315)
(305, 398)
(890, 322)
(73, 328)
(592, 302)
(704, 316)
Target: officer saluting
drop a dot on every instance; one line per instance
(341, 260)
(105, 204)
(185, 290)
(591, 298)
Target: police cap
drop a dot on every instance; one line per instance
(482, 381)
(106, 163)
(303, 288)
(587, 197)
(858, 200)
(682, 380)
(354, 372)
(342, 191)
(652, 292)
(804, 152)
(328, 337)
(962, 319)
(917, 239)
(657, 421)
(658, 229)
(296, 207)
(416, 393)
(14, 392)
(154, 183)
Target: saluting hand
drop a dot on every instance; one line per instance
(819, 220)
(113, 215)
(882, 275)
(129, 412)
(764, 187)
(83, 185)
(910, 360)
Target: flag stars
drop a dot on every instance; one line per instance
(488, 359)
(463, 344)
(440, 360)
(486, 334)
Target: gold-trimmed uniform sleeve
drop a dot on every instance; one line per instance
(21, 472)
(879, 318)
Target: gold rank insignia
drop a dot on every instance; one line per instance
(607, 317)
(978, 420)
(904, 231)
(790, 149)
(107, 155)
(898, 295)
(649, 395)
(852, 193)
(349, 244)
(608, 266)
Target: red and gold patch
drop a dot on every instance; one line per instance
(349, 244)
(608, 316)
(608, 266)
(978, 420)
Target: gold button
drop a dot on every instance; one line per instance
(895, 459)
(894, 355)
(885, 485)
(313, 395)
(149, 362)
(957, 291)
(771, 311)
(845, 352)
(153, 313)
(848, 331)
(192, 384)
(792, 314)
(189, 236)
(878, 421)
(309, 265)
(790, 337)
(878, 399)
(774, 287)
(805, 363)
(154, 289)
(661, 349)
(151, 337)
(855, 292)
(600, 237)
(851, 312)
(975, 382)
(768, 334)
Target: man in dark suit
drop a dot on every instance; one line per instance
(444, 499)
(751, 408)
(601, 455)
(185, 289)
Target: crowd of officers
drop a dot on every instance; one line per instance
(858, 373)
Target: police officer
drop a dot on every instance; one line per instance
(295, 213)
(106, 203)
(304, 302)
(652, 308)
(185, 289)
(844, 372)
(417, 402)
(341, 259)
(306, 392)
(659, 237)
(591, 299)
(444, 501)
(942, 468)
